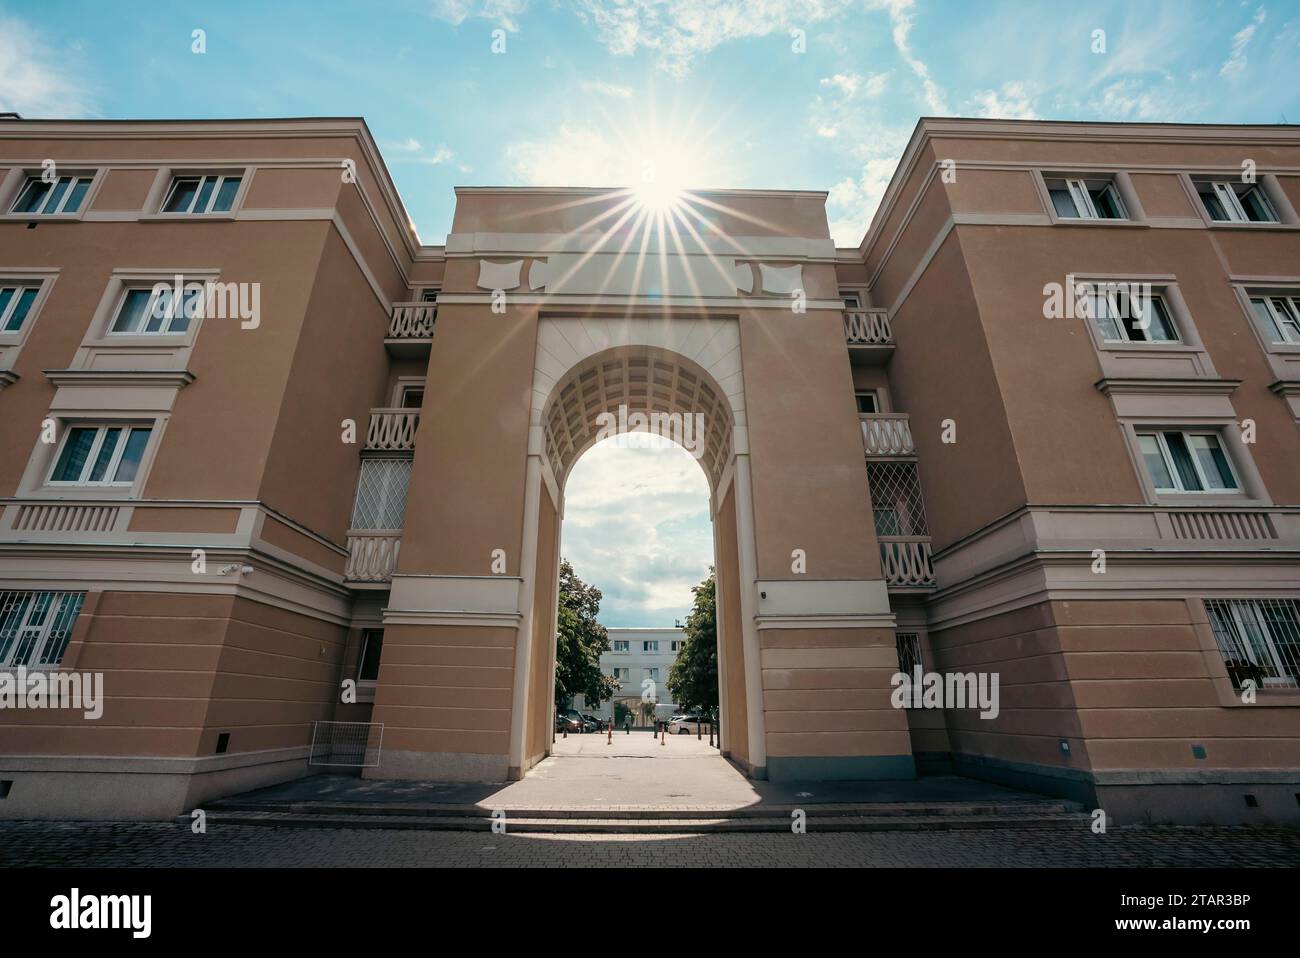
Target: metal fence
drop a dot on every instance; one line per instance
(351, 744)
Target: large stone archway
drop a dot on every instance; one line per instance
(604, 389)
(745, 328)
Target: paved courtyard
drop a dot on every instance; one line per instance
(27, 844)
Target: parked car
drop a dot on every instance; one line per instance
(593, 724)
(688, 724)
(567, 723)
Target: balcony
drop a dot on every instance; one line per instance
(392, 430)
(410, 330)
(887, 434)
(372, 556)
(905, 562)
(868, 335)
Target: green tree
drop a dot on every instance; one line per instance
(693, 679)
(579, 641)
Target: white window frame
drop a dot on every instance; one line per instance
(1288, 673)
(1085, 208)
(42, 632)
(20, 285)
(63, 200)
(652, 673)
(1280, 326)
(157, 292)
(649, 645)
(1172, 468)
(101, 433)
(212, 197)
(424, 295)
(1225, 192)
(1112, 299)
(623, 642)
(859, 394)
(846, 295)
(366, 636)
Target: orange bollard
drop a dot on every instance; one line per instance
(610, 740)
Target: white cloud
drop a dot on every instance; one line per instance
(636, 525)
(900, 18)
(36, 80)
(412, 151)
(456, 12)
(853, 200)
(851, 84)
(677, 31)
(1236, 62)
(608, 89)
(572, 156)
(1013, 102)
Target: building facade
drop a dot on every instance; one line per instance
(639, 660)
(272, 465)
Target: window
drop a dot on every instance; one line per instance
(1086, 199)
(1186, 462)
(412, 397)
(651, 646)
(896, 499)
(620, 645)
(852, 300)
(867, 402)
(652, 674)
(1280, 317)
(381, 494)
(15, 303)
(429, 295)
(61, 196)
(372, 646)
(1259, 640)
(1121, 317)
(35, 627)
(154, 311)
(678, 645)
(622, 674)
(909, 651)
(1230, 202)
(100, 455)
(202, 194)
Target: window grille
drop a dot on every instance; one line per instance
(381, 494)
(896, 499)
(35, 627)
(1259, 640)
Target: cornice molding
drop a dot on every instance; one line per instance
(1165, 387)
(167, 378)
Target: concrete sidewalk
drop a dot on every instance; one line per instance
(634, 773)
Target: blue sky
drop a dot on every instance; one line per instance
(712, 91)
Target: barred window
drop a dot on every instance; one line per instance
(896, 499)
(1259, 640)
(381, 494)
(909, 651)
(35, 627)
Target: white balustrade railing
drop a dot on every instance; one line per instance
(372, 554)
(905, 560)
(1221, 524)
(867, 327)
(65, 517)
(412, 320)
(392, 429)
(887, 434)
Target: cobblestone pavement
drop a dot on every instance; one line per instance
(100, 844)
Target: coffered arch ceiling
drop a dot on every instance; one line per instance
(626, 380)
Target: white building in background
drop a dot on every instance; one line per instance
(639, 659)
